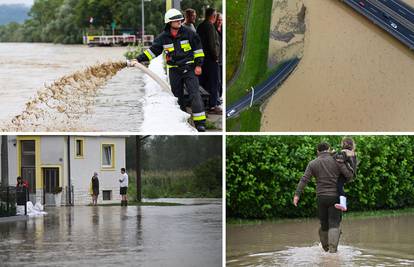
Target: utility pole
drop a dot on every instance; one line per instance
(138, 166)
(4, 161)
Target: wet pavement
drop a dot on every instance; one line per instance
(115, 236)
(387, 241)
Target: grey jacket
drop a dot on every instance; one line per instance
(327, 171)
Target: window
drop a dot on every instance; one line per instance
(106, 194)
(108, 157)
(78, 148)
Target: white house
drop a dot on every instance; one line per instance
(49, 163)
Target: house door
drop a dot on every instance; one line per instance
(51, 184)
(28, 166)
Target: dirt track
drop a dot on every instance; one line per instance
(353, 77)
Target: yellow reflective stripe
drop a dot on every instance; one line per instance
(190, 62)
(200, 54)
(199, 118)
(148, 55)
(171, 66)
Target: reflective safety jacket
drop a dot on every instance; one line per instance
(185, 48)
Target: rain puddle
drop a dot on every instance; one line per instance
(385, 241)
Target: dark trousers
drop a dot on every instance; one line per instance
(329, 216)
(210, 80)
(185, 75)
(341, 184)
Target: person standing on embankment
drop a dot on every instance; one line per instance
(327, 171)
(184, 57)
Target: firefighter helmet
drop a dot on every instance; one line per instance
(173, 15)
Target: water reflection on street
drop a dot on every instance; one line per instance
(387, 241)
(115, 236)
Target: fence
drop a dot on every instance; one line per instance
(7, 201)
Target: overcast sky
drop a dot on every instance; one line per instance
(26, 2)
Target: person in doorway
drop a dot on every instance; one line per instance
(184, 57)
(327, 171)
(22, 183)
(348, 156)
(190, 19)
(95, 188)
(210, 77)
(123, 184)
(219, 27)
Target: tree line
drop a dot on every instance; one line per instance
(262, 173)
(66, 21)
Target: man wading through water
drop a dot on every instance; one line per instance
(184, 57)
(327, 170)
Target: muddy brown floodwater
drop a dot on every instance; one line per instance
(387, 241)
(353, 77)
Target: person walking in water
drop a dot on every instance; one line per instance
(123, 187)
(95, 188)
(327, 170)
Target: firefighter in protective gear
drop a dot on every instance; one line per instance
(184, 57)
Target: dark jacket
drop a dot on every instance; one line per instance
(209, 39)
(327, 171)
(184, 49)
(95, 185)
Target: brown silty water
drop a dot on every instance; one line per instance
(353, 76)
(387, 241)
(65, 100)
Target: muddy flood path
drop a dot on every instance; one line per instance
(387, 241)
(115, 236)
(46, 87)
(353, 77)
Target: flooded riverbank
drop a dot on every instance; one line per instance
(115, 236)
(386, 241)
(120, 104)
(353, 77)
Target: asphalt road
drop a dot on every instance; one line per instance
(394, 16)
(263, 89)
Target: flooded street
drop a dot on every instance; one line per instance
(387, 241)
(118, 105)
(115, 236)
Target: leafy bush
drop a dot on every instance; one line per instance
(263, 172)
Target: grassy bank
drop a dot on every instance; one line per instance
(256, 50)
(237, 14)
(346, 215)
(247, 121)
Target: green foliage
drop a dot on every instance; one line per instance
(133, 51)
(203, 181)
(263, 172)
(65, 21)
(248, 121)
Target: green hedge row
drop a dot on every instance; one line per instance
(263, 172)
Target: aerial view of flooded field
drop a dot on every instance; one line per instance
(353, 76)
(47, 87)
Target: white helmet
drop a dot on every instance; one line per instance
(173, 15)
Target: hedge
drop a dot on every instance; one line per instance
(262, 173)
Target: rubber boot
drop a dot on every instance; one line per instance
(342, 204)
(323, 236)
(200, 125)
(333, 239)
(126, 203)
(122, 203)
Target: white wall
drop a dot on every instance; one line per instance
(82, 169)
